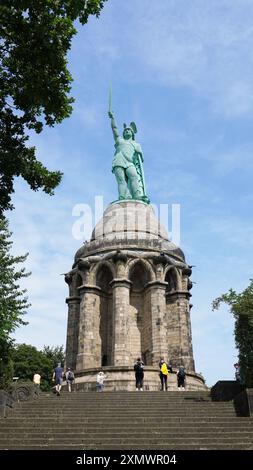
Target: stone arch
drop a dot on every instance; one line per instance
(139, 319)
(97, 267)
(146, 265)
(104, 276)
(173, 279)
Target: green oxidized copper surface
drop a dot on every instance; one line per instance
(127, 164)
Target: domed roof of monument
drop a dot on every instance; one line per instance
(129, 219)
(129, 224)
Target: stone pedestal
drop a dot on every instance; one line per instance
(129, 297)
(120, 378)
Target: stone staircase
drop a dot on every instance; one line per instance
(125, 420)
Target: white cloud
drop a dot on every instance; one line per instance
(206, 46)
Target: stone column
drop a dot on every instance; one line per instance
(72, 331)
(120, 353)
(159, 348)
(182, 351)
(89, 342)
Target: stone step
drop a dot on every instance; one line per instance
(118, 397)
(128, 415)
(63, 399)
(62, 434)
(125, 396)
(119, 410)
(31, 427)
(126, 429)
(121, 447)
(127, 409)
(106, 407)
(99, 402)
(146, 419)
(138, 442)
(58, 401)
(121, 406)
(125, 420)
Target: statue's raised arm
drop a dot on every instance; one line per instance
(113, 125)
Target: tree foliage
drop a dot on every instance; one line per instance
(55, 354)
(35, 36)
(241, 307)
(13, 303)
(6, 363)
(27, 360)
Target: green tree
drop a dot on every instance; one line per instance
(241, 307)
(13, 302)
(55, 354)
(27, 360)
(6, 363)
(35, 36)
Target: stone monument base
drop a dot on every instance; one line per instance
(122, 378)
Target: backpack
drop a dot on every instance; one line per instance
(70, 376)
(181, 373)
(164, 369)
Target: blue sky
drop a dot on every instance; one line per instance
(183, 71)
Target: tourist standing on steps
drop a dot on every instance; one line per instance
(57, 378)
(181, 378)
(70, 379)
(139, 374)
(164, 371)
(36, 380)
(100, 381)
